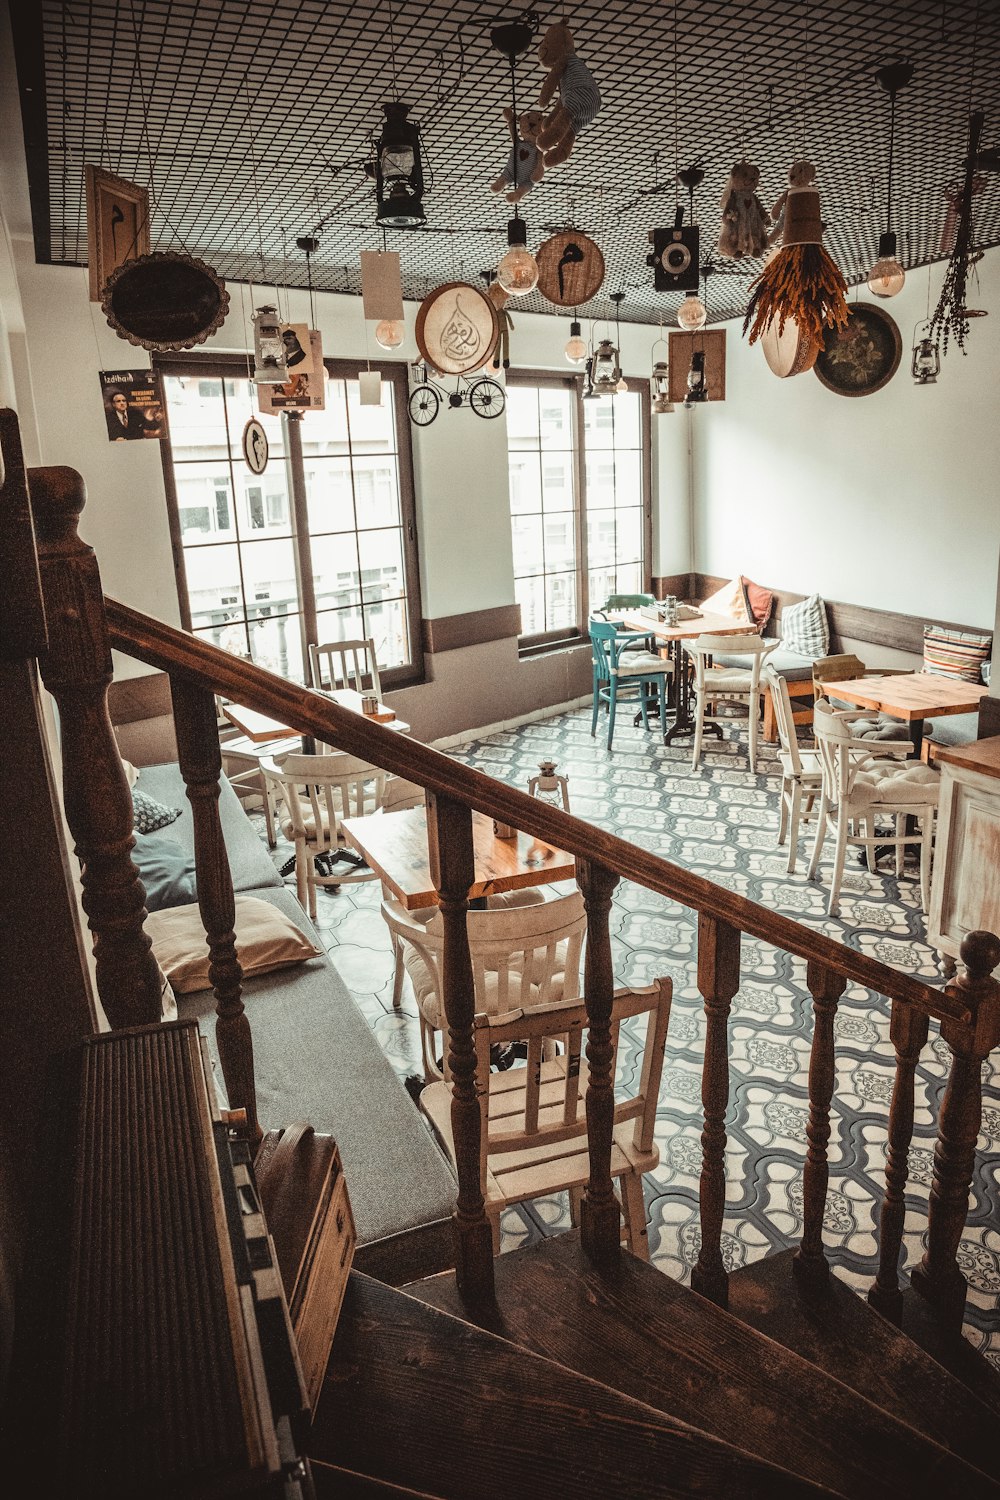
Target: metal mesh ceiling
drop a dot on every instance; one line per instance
(252, 120)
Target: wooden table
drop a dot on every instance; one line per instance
(672, 636)
(911, 696)
(965, 890)
(260, 728)
(394, 845)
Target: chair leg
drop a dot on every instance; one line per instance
(699, 733)
(644, 705)
(302, 875)
(635, 1215)
(495, 1230)
(397, 972)
(820, 838)
(612, 705)
(597, 707)
(575, 1204)
(793, 832)
(900, 843)
(927, 832)
(753, 712)
(787, 791)
(833, 905)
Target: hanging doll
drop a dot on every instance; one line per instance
(524, 164)
(579, 96)
(799, 281)
(745, 220)
(500, 355)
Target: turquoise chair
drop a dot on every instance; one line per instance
(616, 602)
(618, 666)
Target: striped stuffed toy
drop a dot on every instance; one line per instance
(579, 96)
(956, 653)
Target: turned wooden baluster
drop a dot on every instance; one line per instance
(452, 866)
(600, 1214)
(826, 988)
(77, 669)
(197, 731)
(938, 1277)
(908, 1031)
(718, 980)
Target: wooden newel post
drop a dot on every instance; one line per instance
(938, 1277)
(718, 980)
(600, 1215)
(76, 669)
(908, 1032)
(452, 865)
(201, 766)
(826, 988)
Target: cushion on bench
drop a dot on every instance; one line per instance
(248, 858)
(316, 1054)
(953, 729)
(791, 665)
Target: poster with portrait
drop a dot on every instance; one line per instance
(133, 405)
(305, 388)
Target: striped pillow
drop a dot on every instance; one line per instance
(804, 628)
(955, 653)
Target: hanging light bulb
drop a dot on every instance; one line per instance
(692, 314)
(517, 272)
(390, 333)
(622, 386)
(887, 276)
(576, 349)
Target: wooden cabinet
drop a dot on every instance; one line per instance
(965, 892)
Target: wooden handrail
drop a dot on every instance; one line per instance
(308, 712)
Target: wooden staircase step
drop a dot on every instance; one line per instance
(840, 1332)
(417, 1398)
(657, 1341)
(959, 1357)
(332, 1483)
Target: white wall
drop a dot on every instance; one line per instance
(889, 500)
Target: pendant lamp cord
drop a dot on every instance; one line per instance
(892, 139)
(513, 120)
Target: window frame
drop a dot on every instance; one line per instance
(549, 640)
(394, 375)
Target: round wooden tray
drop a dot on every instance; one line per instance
(570, 268)
(863, 356)
(457, 328)
(165, 301)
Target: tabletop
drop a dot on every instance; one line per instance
(910, 695)
(261, 727)
(395, 846)
(982, 756)
(685, 630)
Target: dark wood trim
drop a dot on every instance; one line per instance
(307, 712)
(452, 632)
(132, 699)
(22, 614)
(989, 717)
(681, 585)
(29, 57)
(854, 622)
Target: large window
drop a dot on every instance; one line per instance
(579, 500)
(241, 557)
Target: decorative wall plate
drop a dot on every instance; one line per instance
(863, 356)
(165, 301)
(456, 328)
(790, 352)
(255, 446)
(570, 268)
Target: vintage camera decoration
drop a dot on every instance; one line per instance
(675, 257)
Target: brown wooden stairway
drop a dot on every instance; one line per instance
(620, 1382)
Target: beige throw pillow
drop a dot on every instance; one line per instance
(729, 600)
(265, 940)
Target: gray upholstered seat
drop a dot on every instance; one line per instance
(953, 729)
(248, 859)
(791, 665)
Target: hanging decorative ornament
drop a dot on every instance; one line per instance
(745, 220)
(381, 286)
(659, 380)
(576, 349)
(517, 272)
(398, 171)
(270, 358)
(887, 275)
(165, 301)
(605, 372)
(500, 357)
(800, 282)
(255, 446)
(788, 351)
(370, 387)
(457, 328)
(861, 356)
(692, 314)
(925, 362)
(951, 316)
(570, 268)
(697, 389)
(618, 298)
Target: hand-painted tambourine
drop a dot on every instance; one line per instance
(456, 328)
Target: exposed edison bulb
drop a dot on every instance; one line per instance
(517, 272)
(692, 314)
(622, 386)
(390, 333)
(576, 349)
(886, 277)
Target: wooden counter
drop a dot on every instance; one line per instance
(965, 891)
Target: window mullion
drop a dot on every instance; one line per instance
(301, 542)
(580, 482)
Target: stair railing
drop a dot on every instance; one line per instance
(77, 670)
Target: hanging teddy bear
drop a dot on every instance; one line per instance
(745, 220)
(500, 355)
(524, 164)
(801, 179)
(579, 96)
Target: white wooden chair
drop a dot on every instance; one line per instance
(801, 773)
(857, 788)
(316, 792)
(241, 758)
(350, 664)
(534, 1126)
(523, 955)
(727, 684)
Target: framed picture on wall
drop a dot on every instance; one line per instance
(133, 405)
(117, 225)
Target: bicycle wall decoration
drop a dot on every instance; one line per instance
(486, 397)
